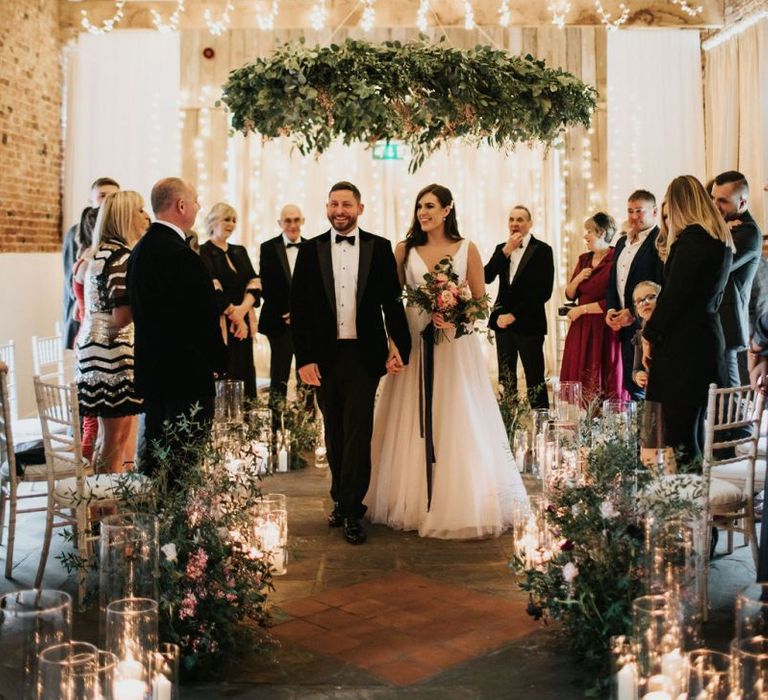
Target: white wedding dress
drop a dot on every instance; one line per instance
(476, 487)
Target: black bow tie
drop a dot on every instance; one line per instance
(292, 245)
(345, 239)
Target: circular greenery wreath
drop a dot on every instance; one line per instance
(419, 93)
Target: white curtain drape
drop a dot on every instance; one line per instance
(122, 114)
(736, 87)
(655, 112)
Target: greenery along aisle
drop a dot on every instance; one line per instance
(420, 93)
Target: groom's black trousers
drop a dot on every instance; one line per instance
(346, 396)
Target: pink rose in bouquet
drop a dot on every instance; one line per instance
(443, 293)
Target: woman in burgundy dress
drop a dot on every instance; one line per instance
(592, 353)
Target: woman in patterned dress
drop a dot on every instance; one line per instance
(105, 343)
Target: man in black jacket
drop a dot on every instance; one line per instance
(635, 260)
(178, 344)
(276, 265)
(345, 289)
(730, 193)
(526, 271)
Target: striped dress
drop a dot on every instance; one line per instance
(105, 353)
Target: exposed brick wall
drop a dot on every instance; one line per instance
(30, 126)
(736, 10)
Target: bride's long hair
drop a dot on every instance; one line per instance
(415, 236)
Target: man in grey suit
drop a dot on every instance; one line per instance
(730, 193)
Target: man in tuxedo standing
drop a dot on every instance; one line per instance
(526, 271)
(277, 262)
(635, 260)
(178, 347)
(730, 193)
(345, 289)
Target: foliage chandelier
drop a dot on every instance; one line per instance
(418, 93)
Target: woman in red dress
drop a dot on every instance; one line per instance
(592, 353)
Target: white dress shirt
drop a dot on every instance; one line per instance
(291, 253)
(625, 261)
(346, 261)
(516, 255)
(175, 228)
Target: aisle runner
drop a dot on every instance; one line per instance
(404, 628)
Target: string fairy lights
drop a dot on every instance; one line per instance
(421, 15)
(108, 24)
(605, 17)
(469, 15)
(505, 16)
(219, 26)
(318, 15)
(368, 18)
(266, 21)
(172, 24)
(688, 9)
(559, 9)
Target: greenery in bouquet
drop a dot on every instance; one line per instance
(443, 293)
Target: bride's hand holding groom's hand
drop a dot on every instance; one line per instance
(394, 363)
(310, 374)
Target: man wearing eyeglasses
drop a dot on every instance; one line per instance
(276, 262)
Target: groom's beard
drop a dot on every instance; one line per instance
(343, 224)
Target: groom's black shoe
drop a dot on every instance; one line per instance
(335, 519)
(353, 531)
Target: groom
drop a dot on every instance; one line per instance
(344, 279)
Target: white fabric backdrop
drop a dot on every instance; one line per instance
(122, 114)
(736, 84)
(655, 112)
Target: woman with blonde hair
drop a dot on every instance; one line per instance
(683, 338)
(237, 292)
(105, 343)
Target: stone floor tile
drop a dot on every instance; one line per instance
(296, 630)
(303, 608)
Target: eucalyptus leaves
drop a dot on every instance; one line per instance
(419, 93)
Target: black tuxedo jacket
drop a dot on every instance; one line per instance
(524, 296)
(734, 311)
(313, 303)
(646, 266)
(275, 274)
(178, 343)
(686, 337)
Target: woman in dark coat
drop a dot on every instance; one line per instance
(238, 292)
(683, 340)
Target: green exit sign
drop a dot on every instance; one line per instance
(386, 150)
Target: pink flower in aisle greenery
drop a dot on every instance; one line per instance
(196, 564)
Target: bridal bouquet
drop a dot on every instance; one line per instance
(444, 294)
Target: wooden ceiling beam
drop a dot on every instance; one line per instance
(294, 14)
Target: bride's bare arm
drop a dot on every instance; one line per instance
(400, 260)
(475, 274)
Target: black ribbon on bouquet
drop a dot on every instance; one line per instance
(426, 388)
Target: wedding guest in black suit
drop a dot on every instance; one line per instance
(69, 248)
(730, 193)
(348, 323)
(237, 292)
(276, 265)
(636, 259)
(526, 271)
(178, 342)
(683, 340)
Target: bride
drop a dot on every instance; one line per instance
(476, 486)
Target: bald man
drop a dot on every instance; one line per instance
(178, 345)
(277, 260)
